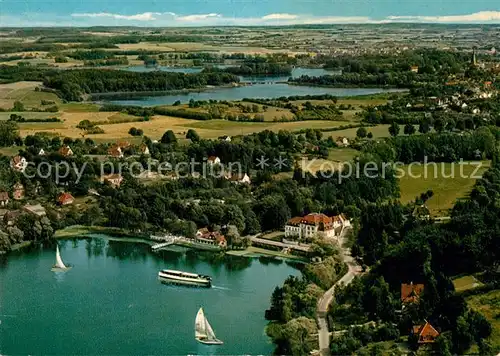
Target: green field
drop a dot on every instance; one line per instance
(465, 283)
(446, 190)
(488, 304)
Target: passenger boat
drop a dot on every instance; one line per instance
(203, 332)
(59, 266)
(184, 278)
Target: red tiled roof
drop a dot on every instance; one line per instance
(64, 198)
(410, 293)
(212, 158)
(426, 333)
(316, 219)
(123, 144)
(115, 151)
(17, 160)
(65, 151)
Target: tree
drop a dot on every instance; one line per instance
(394, 129)
(424, 127)
(18, 106)
(192, 135)
(299, 335)
(409, 129)
(361, 132)
(169, 138)
(369, 135)
(9, 132)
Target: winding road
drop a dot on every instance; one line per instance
(353, 270)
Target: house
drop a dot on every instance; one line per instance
(65, 151)
(65, 199)
(315, 224)
(41, 152)
(342, 141)
(18, 191)
(213, 160)
(144, 149)
(4, 198)
(213, 238)
(414, 69)
(421, 212)
(239, 178)
(18, 163)
(36, 210)
(425, 334)
(123, 144)
(410, 293)
(225, 138)
(114, 179)
(10, 217)
(115, 151)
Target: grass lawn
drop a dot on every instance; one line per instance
(342, 154)
(465, 283)
(275, 236)
(489, 305)
(446, 190)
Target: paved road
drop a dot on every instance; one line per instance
(353, 270)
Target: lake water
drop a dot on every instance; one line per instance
(266, 91)
(111, 302)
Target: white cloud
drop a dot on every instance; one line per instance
(215, 19)
(482, 16)
(280, 17)
(201, 17)
(145, 16)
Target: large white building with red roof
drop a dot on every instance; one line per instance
(315, 224)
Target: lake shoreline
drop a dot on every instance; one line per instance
(121, 235)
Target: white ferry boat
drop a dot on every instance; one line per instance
(184, 278)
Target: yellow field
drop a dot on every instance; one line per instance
(465, 283)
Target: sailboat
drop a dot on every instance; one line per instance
(59, 266)
(203, 332)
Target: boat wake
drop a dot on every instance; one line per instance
(220, 288)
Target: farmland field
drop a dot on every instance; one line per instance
(489, 305)
(446, 190)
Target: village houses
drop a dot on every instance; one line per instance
(144, 149)
(213, 238)
(240, 178)
(65, 151)
(4, 198)
(425, 334)
(410, 293)
(18, 191)
(213, 160)
(115, 152)
(315, 224)
(65, 199)
(18, 163)
(114, 179)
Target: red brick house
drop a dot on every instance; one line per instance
(115, 151)
(18, 191)
(425, 334)
(65, 199)
(65, 151)
(410, 293)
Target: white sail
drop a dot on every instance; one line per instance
(210, 331)
(200, 331)
(59, 262)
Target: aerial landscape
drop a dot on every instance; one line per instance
(250, 178)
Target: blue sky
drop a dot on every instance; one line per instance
(242, 12)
